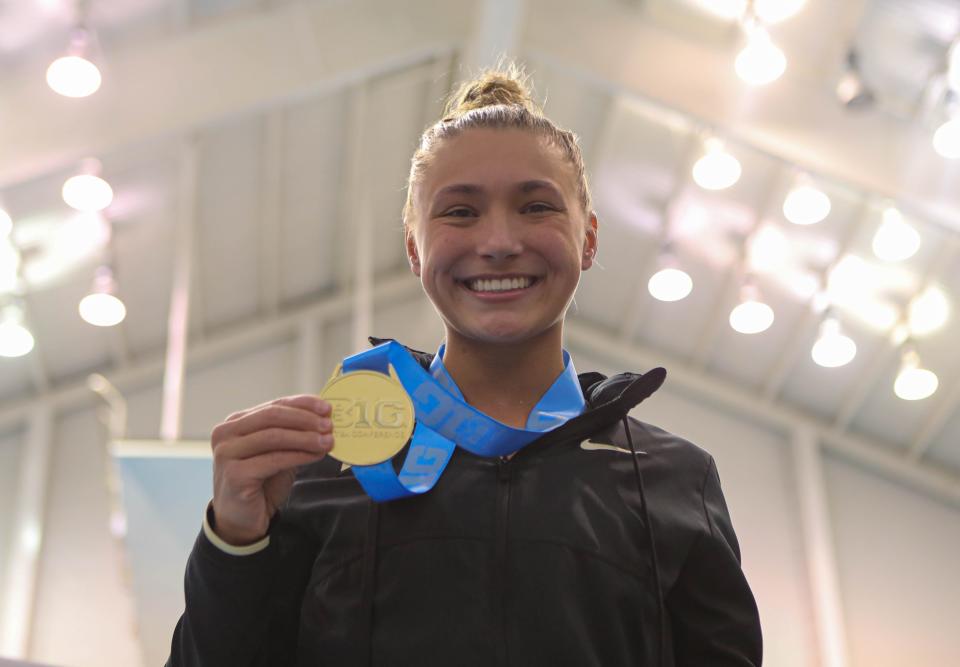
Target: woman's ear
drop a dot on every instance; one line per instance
(590, 243)
(413, 256)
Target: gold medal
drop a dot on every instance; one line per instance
(372, 416)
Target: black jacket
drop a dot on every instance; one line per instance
(543, 559)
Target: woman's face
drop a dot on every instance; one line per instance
(500, 238)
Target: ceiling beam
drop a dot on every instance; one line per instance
(217, 347)
(244, 63)
(868, 452)
(797, 119)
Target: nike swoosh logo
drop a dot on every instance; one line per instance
(590, 445)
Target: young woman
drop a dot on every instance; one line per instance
(604, 541)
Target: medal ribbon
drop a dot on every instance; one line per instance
(445, 421)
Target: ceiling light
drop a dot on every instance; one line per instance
(914, 383)
(852, 91)
(670, 284)
(806, 205)
(87, 191)
(101, 307)
(760, 62)
(895, 240)
(717, 169)
(928, 311)
(74, 75)
(751, 315)
(15, 339)
(6, 224)
(832, 348)
(946, 140)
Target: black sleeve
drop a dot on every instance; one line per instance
(713, 614)
(242, 611)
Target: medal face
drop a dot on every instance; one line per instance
(372, 416)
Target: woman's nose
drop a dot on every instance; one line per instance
(499, 237)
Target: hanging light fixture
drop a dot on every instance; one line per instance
(15, 339)
(914, 383)
(946, 139)
(102, 307)
(75, 75)
(852, 91)
(806, 204)
(751, 315)
(895, 240)
(717, 169)
(86, 191)
(760, 62)
(669, 283)
(832, 348)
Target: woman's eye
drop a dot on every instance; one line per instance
(457, 212)
(540, 206)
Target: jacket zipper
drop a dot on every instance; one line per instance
(503, 506)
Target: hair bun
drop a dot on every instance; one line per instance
(503, 84)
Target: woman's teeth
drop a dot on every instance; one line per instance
(498, 284)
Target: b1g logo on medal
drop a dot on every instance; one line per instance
(372, 416)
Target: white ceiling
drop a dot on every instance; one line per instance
(275, 135)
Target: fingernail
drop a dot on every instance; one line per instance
(322, 407)
(325, 424)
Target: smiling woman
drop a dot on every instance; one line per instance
(561, 531)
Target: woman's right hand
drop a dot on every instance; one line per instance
(255, 453)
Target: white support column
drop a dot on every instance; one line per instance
(271, 212)
(27, 535)
(818, 544)
(309, 346)
(357, 196)
(179, 297)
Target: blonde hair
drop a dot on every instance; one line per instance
(498, 98)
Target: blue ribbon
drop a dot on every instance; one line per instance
(445, 421)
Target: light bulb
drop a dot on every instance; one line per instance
(101, 307)
(806, 205)
(15, 339)
(102, 310)
(832, 348)
(670, 285)
(87, 193)
(751, 317)
(717, 169)
(774, 11)
(928, 311)
(946, 140)
(760, 62)
(73, 76)
(914, 383)
(895, 240)
(6, 224)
